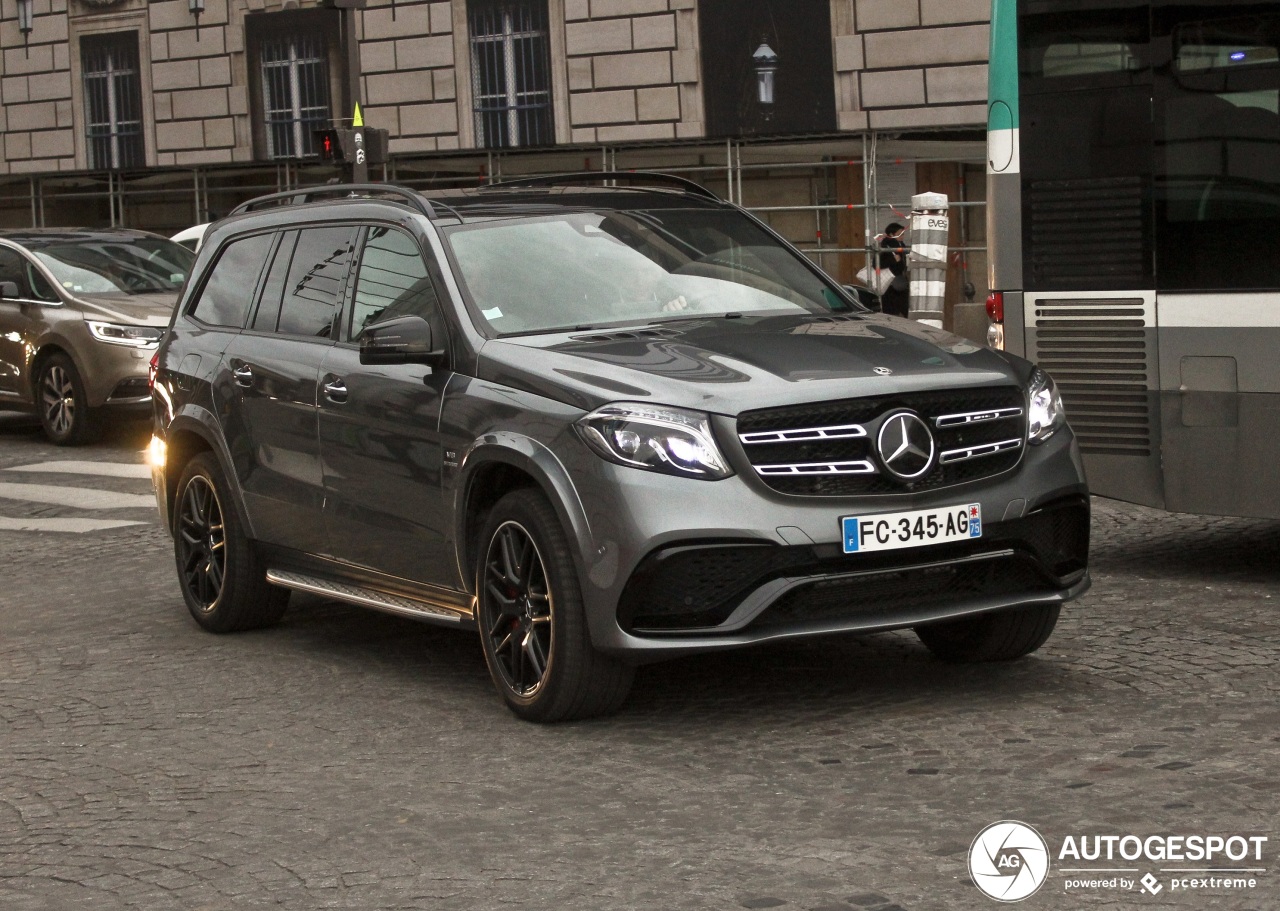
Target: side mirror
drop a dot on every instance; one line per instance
(403, 340)
(8, 290)
(864, 296)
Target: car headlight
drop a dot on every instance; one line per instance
(1046, 413)
(130, 336)
(656, 438)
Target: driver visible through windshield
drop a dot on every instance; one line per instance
(137, 266)
(579, 269)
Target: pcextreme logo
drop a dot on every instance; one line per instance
(1009, 861)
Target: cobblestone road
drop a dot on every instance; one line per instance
(350, 760)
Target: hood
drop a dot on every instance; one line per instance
(727, 366)
(138, 309)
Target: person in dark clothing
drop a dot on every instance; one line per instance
(893, 256)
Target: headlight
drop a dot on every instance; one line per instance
(130, 336)
(1046, 413)
(656, 438)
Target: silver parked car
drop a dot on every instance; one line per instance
(81, 312)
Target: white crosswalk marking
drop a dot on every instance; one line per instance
(103, 469)
(79, 526)
(77, 497)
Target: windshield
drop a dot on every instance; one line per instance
(587, 269)
(138, 265)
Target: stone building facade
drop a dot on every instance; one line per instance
(632, 83)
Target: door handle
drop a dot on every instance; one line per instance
(335, 390)
(243, 375)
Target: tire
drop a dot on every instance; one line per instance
(63, 405)
(532, 620)
(221, 576)
(999, 636)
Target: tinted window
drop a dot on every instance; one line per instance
(31, 284)
(1218, 156)
(311, 291)
(11, 269)
(392, 281)
(273, 289)
(1062, 48)
(226, 296)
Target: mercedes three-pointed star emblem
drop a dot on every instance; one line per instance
(906, 446)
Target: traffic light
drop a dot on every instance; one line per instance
(363, 145)
(329, 145)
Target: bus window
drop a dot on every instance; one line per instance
(1062, 50)
(1084, 58)
(1218, 157)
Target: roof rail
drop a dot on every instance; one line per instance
(311, 194)
(585, 177)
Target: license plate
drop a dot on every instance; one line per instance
(920, 528)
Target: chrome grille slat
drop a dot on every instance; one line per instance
(805, 434)
(976, 417)
(860, 466)
(977, 452)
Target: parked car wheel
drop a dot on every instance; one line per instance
(64, 406)
(532, 620)
(998, 636)
(222, 578)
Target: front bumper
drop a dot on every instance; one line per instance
(680, 567)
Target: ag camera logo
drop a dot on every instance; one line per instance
(1009, 861)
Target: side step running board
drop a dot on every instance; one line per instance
(366, 597)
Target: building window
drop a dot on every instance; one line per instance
(112, 100)
(295, 93)
(510, 73)
(291, 79)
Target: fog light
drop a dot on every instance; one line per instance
(156, 453)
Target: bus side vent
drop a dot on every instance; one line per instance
(1086, 232)
(1098, 353)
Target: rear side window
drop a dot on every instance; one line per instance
(226, 296)
(315, 281)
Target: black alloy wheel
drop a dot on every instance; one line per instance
(62, 403)
(222, 577)
(201, 543)
(520, 601)
(532, 619)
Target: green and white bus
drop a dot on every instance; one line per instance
(1134, 234)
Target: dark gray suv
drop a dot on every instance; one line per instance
(603, 425)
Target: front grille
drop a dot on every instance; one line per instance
(1087, 232)
(697, 586)
(1099, 353)
(902, 590)
(827, 449)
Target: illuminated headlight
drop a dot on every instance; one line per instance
(130, 336)
(1046, 414)
(656, 438)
